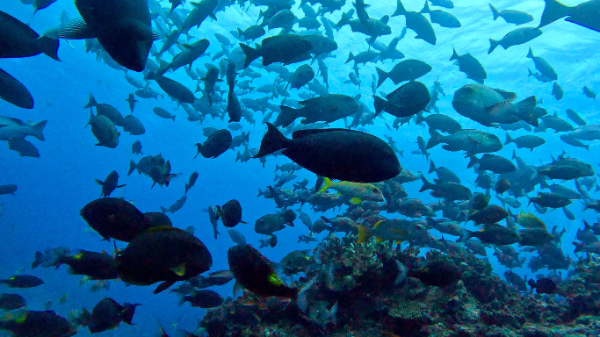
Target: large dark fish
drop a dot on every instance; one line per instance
(122, 27)
(335, 153)
(19, 40)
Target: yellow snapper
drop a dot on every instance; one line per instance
(356, 191)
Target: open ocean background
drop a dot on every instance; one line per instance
(44, 212)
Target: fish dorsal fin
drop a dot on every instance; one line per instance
(510, 96)
(303, 133)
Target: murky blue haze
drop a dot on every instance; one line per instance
(44, 212)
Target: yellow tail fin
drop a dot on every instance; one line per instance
(363, 234)
(326, 185)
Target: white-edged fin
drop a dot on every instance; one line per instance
(332, 313)
(302, 300)
(74, 30)
(401, 273)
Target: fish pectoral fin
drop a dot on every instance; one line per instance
(179, 270)
(163, 286)
(355, 200)
(74, 30)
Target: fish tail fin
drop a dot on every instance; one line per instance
(240, 34)
(350, 58)
(91, 102)
(164, 210)
(526, 111)
(326, 185)
(132, 166)
(472, 162)
(273, 141)
(380, 104)
(287, 116)
(382, 76)
(553, 10)
(364, 233)
(530, 53)
(432, 167)
(467, 235)
(173, 117)
(493, 45)
(37, 130)
(578, 246)
(251, 54)
(495, 12)
(514, 155)
(586, 226)
(454, 54)
(508, 139)
(49, 46)
(426, 184)
(436, 138)
(399, 9)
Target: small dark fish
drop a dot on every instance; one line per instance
(176, 206)
(109, 184)
(24, 147)
(437, 273)
(133, 125)
(511, 16)
(22, 281)
(203, 299)
(287, 49)
(417, 22)
(104, 130)
(470, 66)
(408, 100)
(216, 144)
(38, 324)
(173, 88)
(8, 189)
(516, 37)
(543, 285)
(405, 70)
(131, 101)
(107, 314)
(230, 213)
(11, 301)
(237, 237)
(588, 92)
(162, 113)
(191, 181)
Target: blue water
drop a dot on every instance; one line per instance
(44, 212)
